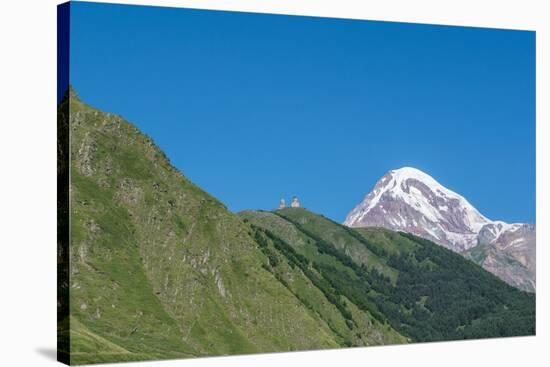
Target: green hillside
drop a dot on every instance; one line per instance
(161, 269)
(422, 290)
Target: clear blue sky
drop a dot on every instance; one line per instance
(257, 107)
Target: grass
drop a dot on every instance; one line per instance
(160, 269)
(339, 236)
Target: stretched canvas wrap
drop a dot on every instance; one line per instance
(234, 183)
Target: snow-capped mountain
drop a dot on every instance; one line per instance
(410, 200)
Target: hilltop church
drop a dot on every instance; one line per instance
(294, 204)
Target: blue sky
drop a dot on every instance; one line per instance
(257, 107)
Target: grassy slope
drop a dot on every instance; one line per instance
(341, 237)
(425, 292)
(160, 269)
(354, 327)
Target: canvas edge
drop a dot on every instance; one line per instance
(63, 172)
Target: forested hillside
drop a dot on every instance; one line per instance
(423, 290)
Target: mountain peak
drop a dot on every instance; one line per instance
(402, 175)
(410, 200)
(70, 94)
(410, 172)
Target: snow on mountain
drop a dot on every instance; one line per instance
(410, 200)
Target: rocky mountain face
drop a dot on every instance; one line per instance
(409, 200)
(509, 252)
